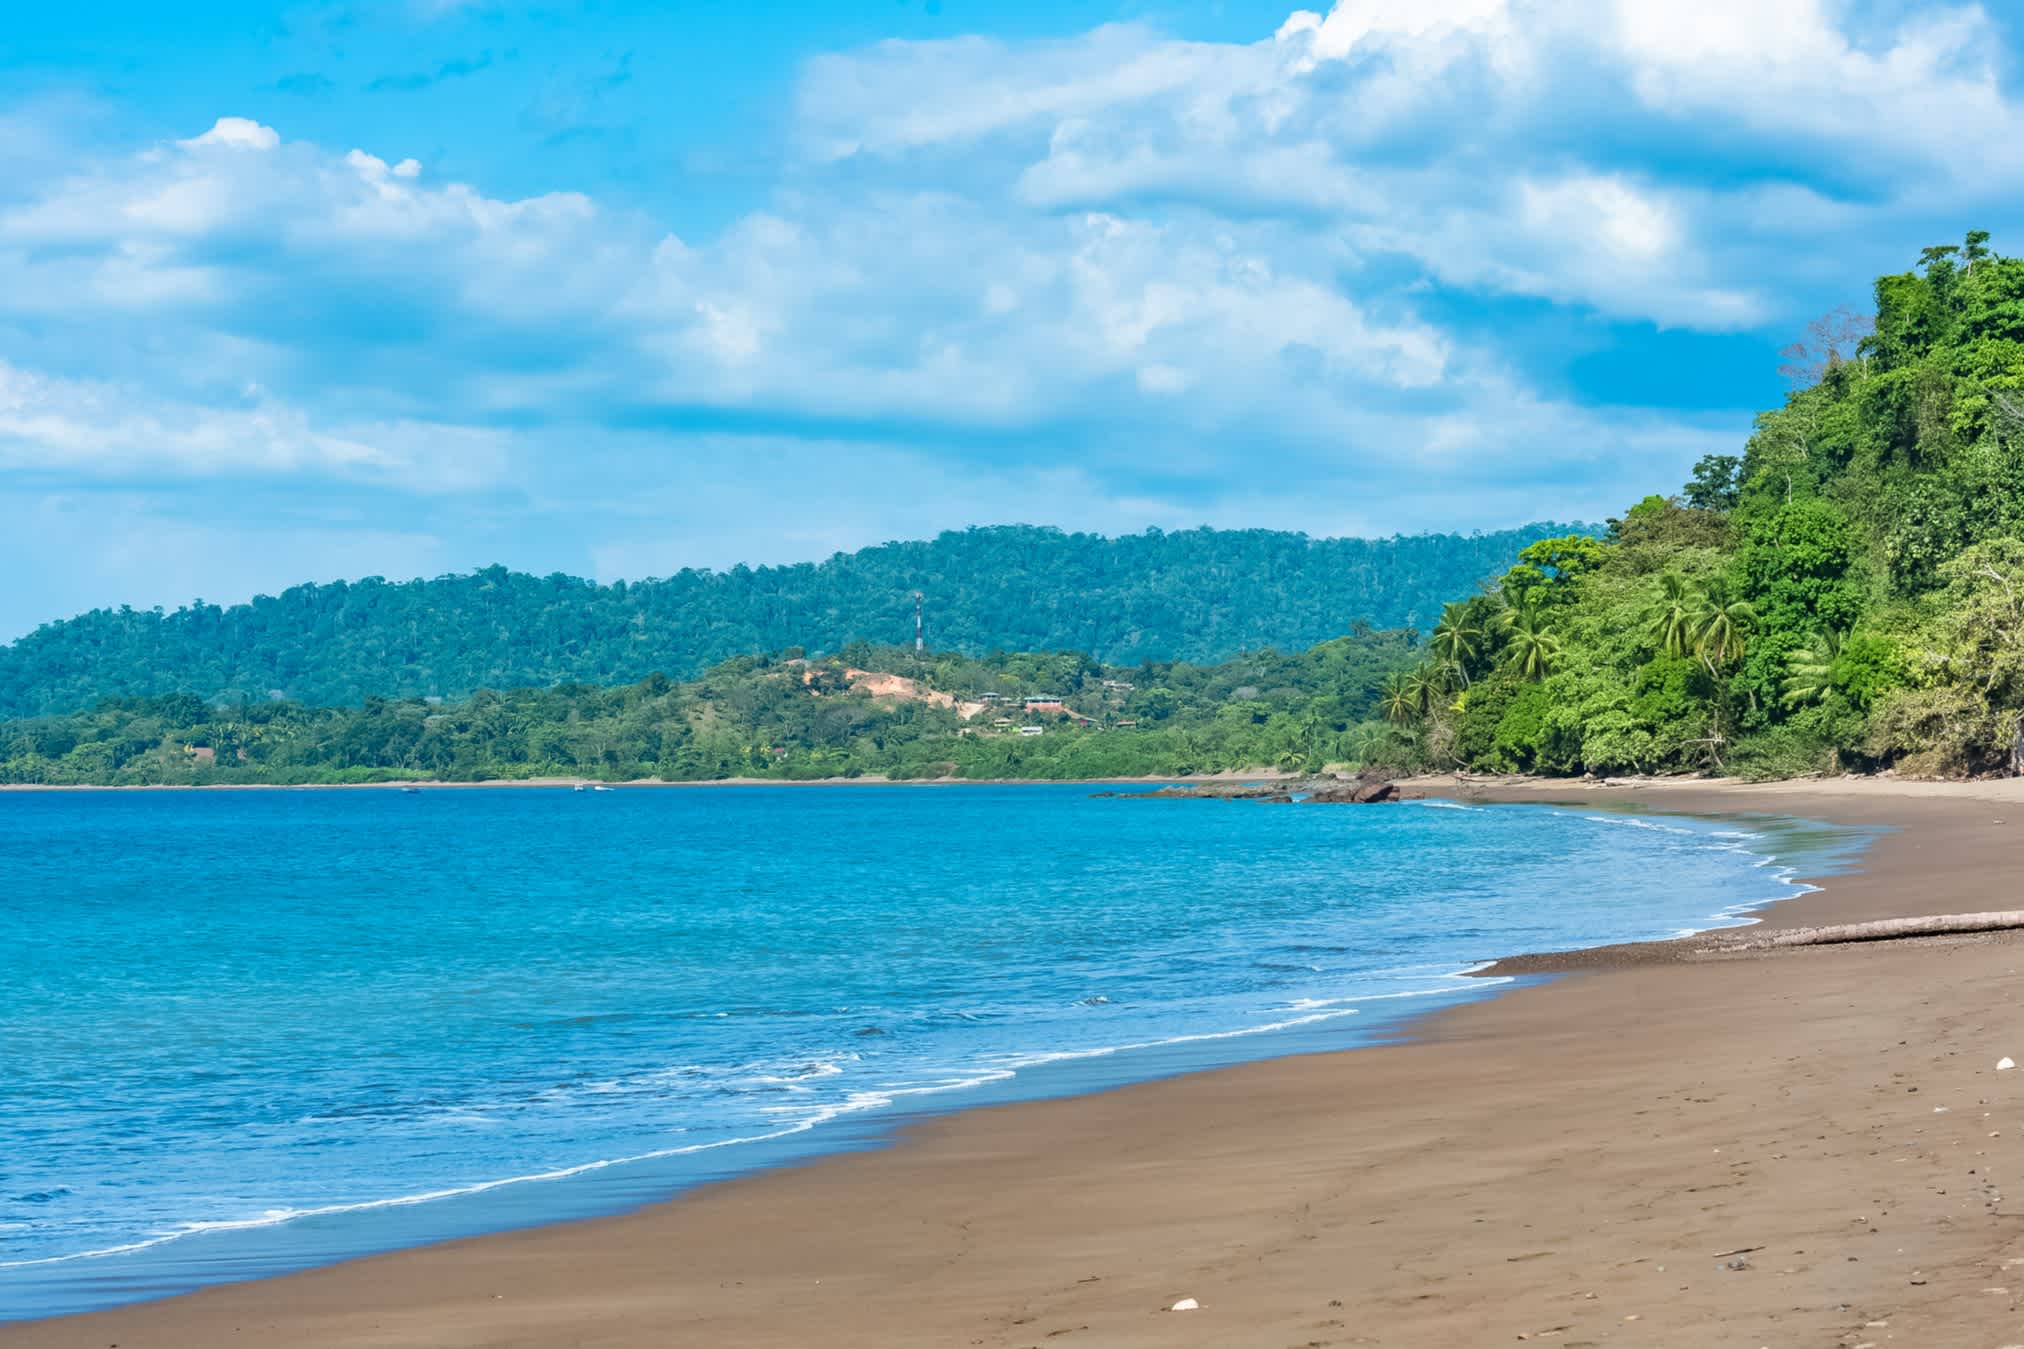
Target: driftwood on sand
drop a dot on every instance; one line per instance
(1889, 929)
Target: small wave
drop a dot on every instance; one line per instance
(1310, 1004)
(808, 1072)
(1448, 805)
(276, 1216)
(1101, 1051)
(1652, 825)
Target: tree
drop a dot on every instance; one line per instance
(1531, 650)
(1400, 701)
(1831, 339)
(1672, 622)
(1428, 687)
(1457, 640)
(1809, 670)
(1721, 623)
(1715, 485)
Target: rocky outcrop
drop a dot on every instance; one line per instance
(1359, 793)
(1311, 791)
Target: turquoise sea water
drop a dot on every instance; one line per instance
(242, 1032)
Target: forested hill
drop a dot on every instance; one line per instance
(1198, 595)
(1848, 593)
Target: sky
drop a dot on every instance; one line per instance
(297, 292)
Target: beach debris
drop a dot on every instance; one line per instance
(1186, 1304)
(1740, 1250)
(2004, 1065)
(1889, 929)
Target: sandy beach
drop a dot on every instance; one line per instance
(1792, 1148)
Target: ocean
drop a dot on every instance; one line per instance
(243, 1032)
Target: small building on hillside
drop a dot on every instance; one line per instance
(1033, 730)
(1046, 702)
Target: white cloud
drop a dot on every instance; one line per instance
(94, 429)
(238, 133)
(1432, 126)
(1428, 32)
(1148, 258)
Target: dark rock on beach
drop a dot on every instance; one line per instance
(1311, 791)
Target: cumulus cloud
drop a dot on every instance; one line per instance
(1529, 146)
(99, 430)
(238, 133)
(1154, 260)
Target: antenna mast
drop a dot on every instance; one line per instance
(920, 645)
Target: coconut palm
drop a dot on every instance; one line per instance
(1672, 622)
(1809, 670)
(1531, 649)
(1398, 700)
(1721, 625)
(1456, 639)
(1428, 686)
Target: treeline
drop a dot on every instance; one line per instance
(1847, 594)
(869, 710)
(1196, 595)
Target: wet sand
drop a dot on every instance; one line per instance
(1800, 1147)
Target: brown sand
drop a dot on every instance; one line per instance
(1808, 1147)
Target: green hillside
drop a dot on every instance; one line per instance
(1847, 593)
(872, 711)
(1198, 595)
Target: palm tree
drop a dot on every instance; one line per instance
(1426, 686)
(1672, 622)
(1720, 624)
(1456, 639)
(1809, 670)
(1531, 649)
(1398, 700)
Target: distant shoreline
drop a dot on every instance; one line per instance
(1465, 785)
(867, 780)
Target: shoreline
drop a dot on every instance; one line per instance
(1511, 789)
(864, 780)
(911, 1183)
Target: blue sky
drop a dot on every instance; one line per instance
(398, 287)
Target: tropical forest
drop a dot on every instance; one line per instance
(1845, 594)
